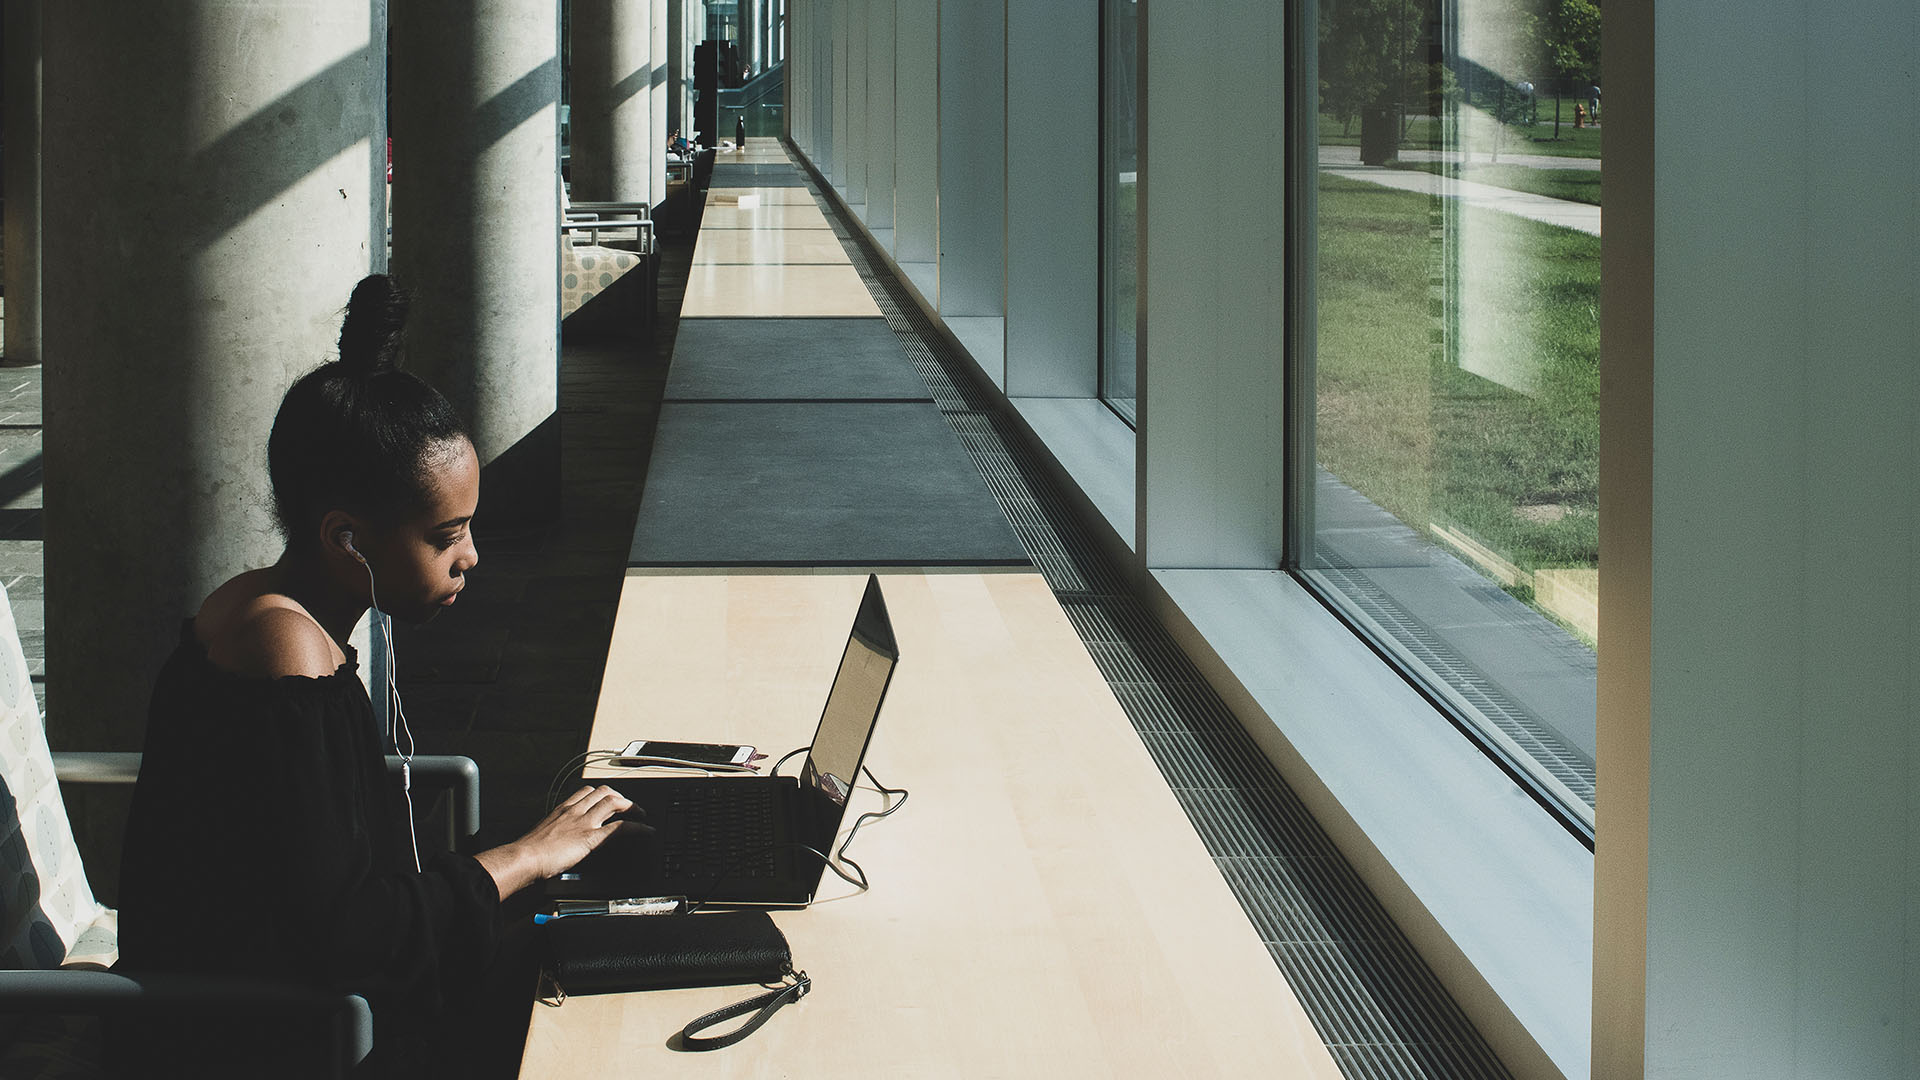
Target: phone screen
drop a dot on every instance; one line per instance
(705, 753)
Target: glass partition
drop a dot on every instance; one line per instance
(1453, 241)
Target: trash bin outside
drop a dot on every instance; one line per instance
(1379, 134)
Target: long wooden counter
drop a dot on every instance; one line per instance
(1040, 906)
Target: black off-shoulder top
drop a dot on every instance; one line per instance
(265, 837)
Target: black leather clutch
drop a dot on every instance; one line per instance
(610, 954)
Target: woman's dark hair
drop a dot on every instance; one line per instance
(358, 434)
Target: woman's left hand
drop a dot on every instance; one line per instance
(564, 837)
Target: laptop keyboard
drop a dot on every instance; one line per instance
(722, 830)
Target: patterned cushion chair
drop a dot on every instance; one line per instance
(588, 268)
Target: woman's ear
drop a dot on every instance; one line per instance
(338, 532)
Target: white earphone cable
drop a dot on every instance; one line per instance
(402, 735)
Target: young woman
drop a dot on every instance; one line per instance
(265, 835)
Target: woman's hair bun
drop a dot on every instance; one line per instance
(370, 334)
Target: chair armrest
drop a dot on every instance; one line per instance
(638, 209)
(457, 775)
(451, 772)
(608, 223)
(108, 993)
(95, 766)
(643, 228)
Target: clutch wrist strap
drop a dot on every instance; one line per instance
(763, 1006)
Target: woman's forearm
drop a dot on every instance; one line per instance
(513, 867)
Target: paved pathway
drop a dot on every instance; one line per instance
(1350, 155)
(1561, 212)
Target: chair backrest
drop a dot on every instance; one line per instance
(48, 915)
(586, 270)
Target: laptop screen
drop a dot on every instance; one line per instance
(846, 725)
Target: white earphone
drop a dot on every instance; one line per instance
(399, 713)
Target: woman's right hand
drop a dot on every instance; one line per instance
(564, 837)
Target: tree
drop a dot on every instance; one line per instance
(1372, 54)
(1571, 33)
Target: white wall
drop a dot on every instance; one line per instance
(1212, 289)
(973, 155)
(1053, 199)
(916, 122)
(1759, 830)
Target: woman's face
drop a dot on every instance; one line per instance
(420, 565)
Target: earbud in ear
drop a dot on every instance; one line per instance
(346, 540)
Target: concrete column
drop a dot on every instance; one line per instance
(22, 181)
(476, 212)
(659, 91)
(207, 230)
(678, 108)
(613, 77)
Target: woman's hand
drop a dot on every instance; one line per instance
(562, 838)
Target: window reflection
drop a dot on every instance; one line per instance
(1455, 243)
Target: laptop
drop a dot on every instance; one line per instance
(743, 841)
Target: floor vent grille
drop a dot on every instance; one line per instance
(1374, 1002)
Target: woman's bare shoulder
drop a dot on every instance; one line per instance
(251, 630)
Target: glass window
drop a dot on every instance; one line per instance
(1119, 202)
(1453, 240)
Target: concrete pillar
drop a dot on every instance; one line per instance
(679, 109)
(204, 235)
(476, 218)
(613, 77)
(659, 90)
(22, 64)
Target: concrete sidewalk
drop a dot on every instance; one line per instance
(1350, 155)
(1567, 215)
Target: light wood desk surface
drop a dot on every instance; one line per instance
(1040, 906)
(768, 215)
(795, 291)
(780, 196)
(768, 247)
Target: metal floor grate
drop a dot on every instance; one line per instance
(1379, 1009)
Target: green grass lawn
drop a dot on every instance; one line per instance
(1401, 420)
(1480, 135)
(1574, 185)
